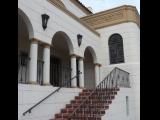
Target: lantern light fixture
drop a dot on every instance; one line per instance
(79, 38)
(45, 18)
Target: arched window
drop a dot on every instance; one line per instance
(116, 49)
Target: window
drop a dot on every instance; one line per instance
(116, 49)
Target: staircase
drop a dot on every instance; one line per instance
(94, 107)
(92, 104)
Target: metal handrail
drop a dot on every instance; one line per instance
(29, 110)
(94, 90)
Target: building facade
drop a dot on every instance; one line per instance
(61, 39)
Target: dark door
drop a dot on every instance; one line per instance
(55, 71)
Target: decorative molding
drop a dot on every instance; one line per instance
(74, 17)
(81, 6)
(113, 16)
(58, 3)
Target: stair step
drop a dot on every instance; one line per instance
(85, 117)
(60, 119)
(74, 105)
(67, 110)
(99, 112)
(62, 115)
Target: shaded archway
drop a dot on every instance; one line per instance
(60, 70)
(25, 32)
(89, 68)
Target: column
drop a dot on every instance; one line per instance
(33, 62)
(81, 76)
(96, 74)
(46, 65)
(73, 72)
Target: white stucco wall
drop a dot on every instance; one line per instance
(73, 8)
(29, 95)
(117, 110)
(130, 33)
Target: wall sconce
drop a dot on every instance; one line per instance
(79, 38)
(45, 18)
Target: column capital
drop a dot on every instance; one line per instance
(77, 56)
(33, 40)
(46, 84)
(46, 45)
(81, 58)
(73, 55)
(98, 64)
(32, 82)
(41, 42)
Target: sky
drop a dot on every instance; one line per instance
(100, 5)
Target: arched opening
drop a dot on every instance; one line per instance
(89, 68)
(23, 46)
(116, 49)
(60, 70)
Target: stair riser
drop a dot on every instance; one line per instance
(91, 102)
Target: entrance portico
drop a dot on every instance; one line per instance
(53, 64)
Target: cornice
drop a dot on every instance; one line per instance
(58, 3)
(113, 16)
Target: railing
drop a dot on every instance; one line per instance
(65, 83)
(22, 68)
(115, 79)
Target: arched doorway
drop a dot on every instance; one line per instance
(23, 47)
(89, 68)
(60, 70)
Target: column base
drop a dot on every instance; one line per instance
(32, 82)
(82, 87)
(74, 87)
(46, 84)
